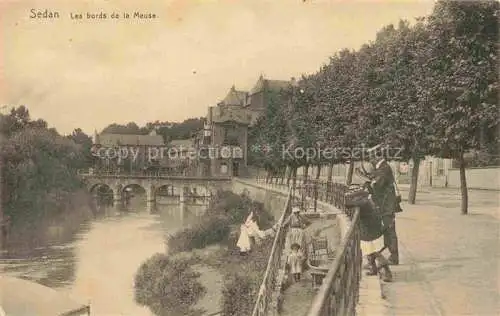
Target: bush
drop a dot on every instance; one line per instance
(237, 293)
(225, 210)
(168, 286)
(242, 279)
(202, 234)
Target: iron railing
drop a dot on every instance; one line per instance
(310, 191)
(339, 292)
(264, 303)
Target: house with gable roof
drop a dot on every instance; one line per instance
(226, 127)
(126, 152)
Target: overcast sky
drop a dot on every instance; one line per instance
(90, 73)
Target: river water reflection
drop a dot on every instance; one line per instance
(100, 263)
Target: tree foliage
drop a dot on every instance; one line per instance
(429, 88)
(168, 286)
(168, 130)
(40, 185)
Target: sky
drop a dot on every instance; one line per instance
(88, 73)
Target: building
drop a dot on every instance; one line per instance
(126, 153)
(260, 93)
(223, 141)
(179, 157)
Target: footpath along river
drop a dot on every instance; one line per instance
(100, 263)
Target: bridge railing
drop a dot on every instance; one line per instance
(263, 304)
(111, 174)
(143, 173)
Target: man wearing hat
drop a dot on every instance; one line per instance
(385, 197)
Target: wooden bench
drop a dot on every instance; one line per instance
(319, 259)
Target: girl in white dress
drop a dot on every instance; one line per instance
(295, 261)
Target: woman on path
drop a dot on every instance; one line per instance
(248, 232)
(296, 234)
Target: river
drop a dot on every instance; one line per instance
(99, 263)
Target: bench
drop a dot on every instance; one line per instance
(319, 259)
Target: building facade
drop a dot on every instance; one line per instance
(223, 142)
(125, 153)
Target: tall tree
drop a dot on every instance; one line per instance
(464, 81)
(403, 94)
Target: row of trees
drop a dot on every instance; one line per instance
(429, 88)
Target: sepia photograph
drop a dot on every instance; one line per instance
(249, 158)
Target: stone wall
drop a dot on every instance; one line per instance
(274, 199)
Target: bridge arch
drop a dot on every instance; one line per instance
(133, 186)
(99, 187)
(166, 189)
(182, 186)
(102, 194)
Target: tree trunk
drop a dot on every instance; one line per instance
(306, 172)
(289, 175)
(318, 172)
(414, 180)
(330, 172)
(463, 186)
(268, 175)
(350, 171)
(282, 174)
(294, 173)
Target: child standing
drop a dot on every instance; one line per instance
(295, 259)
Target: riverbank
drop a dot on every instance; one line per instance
(25, 237)
(203, 264)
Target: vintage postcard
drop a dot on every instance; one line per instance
(249, 157)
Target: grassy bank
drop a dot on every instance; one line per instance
(169, 286)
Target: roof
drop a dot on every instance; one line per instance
(235, 97)
(273, 85)
(22, 297)
(231, 114)
(123, 139)
(181, 143)
(255, 115)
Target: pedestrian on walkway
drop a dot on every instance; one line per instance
(296, 234)
(249, 231)
(385, 197)
(371, 231)
(295, 261)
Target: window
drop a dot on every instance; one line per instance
(231, 136)
(223, 168)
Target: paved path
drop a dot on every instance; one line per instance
(450, 263)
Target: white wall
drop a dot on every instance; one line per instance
(435, 172)
(477, 178)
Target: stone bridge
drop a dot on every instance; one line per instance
(117, 183)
